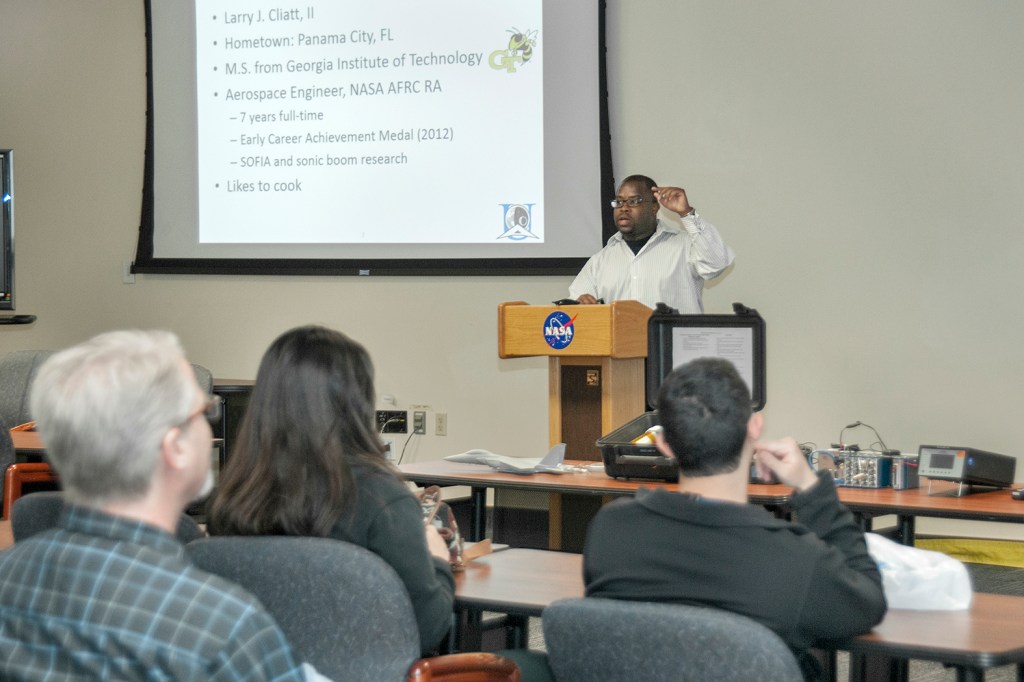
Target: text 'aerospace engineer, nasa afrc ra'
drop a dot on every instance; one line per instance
(651, 261)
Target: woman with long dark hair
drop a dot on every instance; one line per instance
(307, 461)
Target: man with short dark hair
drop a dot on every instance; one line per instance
(109, 594)
(651, 261)
(706, 545)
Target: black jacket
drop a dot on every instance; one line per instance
(808, 580)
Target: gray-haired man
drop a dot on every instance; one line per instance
(109, 594)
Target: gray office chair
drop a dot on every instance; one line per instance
(35, 513)
(619, 641)
(204, 378)
(17, 370)
(343, 608)
(41, 511)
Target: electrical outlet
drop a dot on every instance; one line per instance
(441, 423)
(392, 421)
(390, 449)
(419, 422)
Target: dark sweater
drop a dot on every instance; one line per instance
(806, 581)
(387, 520)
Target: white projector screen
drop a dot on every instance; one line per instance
(392, 137)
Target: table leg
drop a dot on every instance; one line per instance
(554, 521)
(517, 634)
(467, 631)
(466, 634)
(864, 521)
(906, 526)
(969, 674)
(876, 668)
(478, 504)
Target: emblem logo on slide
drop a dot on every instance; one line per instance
(519, 51)
(558, 330)
(518, 220)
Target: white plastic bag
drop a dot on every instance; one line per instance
(920, 579)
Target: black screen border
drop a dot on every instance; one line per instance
(145, 262)
(7, 228)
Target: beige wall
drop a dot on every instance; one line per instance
(863, 160)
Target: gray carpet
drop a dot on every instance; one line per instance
(985, 578)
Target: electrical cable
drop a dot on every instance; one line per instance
(406, 443)
(855, 425)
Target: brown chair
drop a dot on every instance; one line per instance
(20, 473)
(466, 667)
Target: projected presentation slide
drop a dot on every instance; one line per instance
(459, 132)
(394, 111)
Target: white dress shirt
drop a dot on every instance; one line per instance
(670, 268)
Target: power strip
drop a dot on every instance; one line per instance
(392, 421)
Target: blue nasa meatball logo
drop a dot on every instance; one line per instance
(558, 330)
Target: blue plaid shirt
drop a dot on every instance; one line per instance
(105, 597)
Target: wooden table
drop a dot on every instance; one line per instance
(480, 477)
(517, 582)
(27, 443)
(29, 448)
(522, 582)
(987, 635)
(906, 505)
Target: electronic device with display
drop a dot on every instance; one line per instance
(966, 466)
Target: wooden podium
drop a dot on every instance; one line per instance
(596, 381)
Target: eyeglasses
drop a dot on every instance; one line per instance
(632, 201)
(211, 409)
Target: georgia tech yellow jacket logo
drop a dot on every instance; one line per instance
(519, 51)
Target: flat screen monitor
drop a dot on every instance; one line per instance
(393, 137)
(6, 230)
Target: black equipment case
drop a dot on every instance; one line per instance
(672, 340)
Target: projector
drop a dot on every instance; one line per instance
(966, 465)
